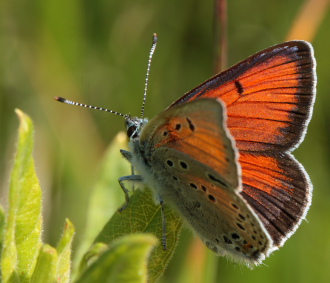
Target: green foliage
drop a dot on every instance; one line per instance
(125, 261)
(142, 215)
(64, 253)
(23, 256)
(22, 235)
(45, 270)
(115, 257)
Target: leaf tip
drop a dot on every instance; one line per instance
(69, 228)
(25, 121)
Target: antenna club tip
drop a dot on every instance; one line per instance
(58, 98)
(154, 38)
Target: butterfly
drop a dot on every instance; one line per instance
(221, 154)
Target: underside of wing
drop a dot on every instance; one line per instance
(279, 191)
(197, 129)
(268, 96)
(220, 216)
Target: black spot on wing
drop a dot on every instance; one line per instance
(239, 87)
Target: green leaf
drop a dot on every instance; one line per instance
(64, 253)
(22, 238)
(92, 254)
(45, 270)
(142, 215)
(124, 262)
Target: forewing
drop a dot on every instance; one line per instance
(268, 96)
(197, 129)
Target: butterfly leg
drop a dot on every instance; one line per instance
(163, 225)
(121, 180)
(132, 173)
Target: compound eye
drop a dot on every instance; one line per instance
(130, 131)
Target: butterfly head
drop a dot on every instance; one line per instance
(134, 126)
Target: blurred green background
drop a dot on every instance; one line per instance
(96, 52)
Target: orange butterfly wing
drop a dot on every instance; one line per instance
(269, 99)
(198, 131)
(268, 96)
(278, 189)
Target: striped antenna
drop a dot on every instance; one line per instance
(152, 50)
(61, 99)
